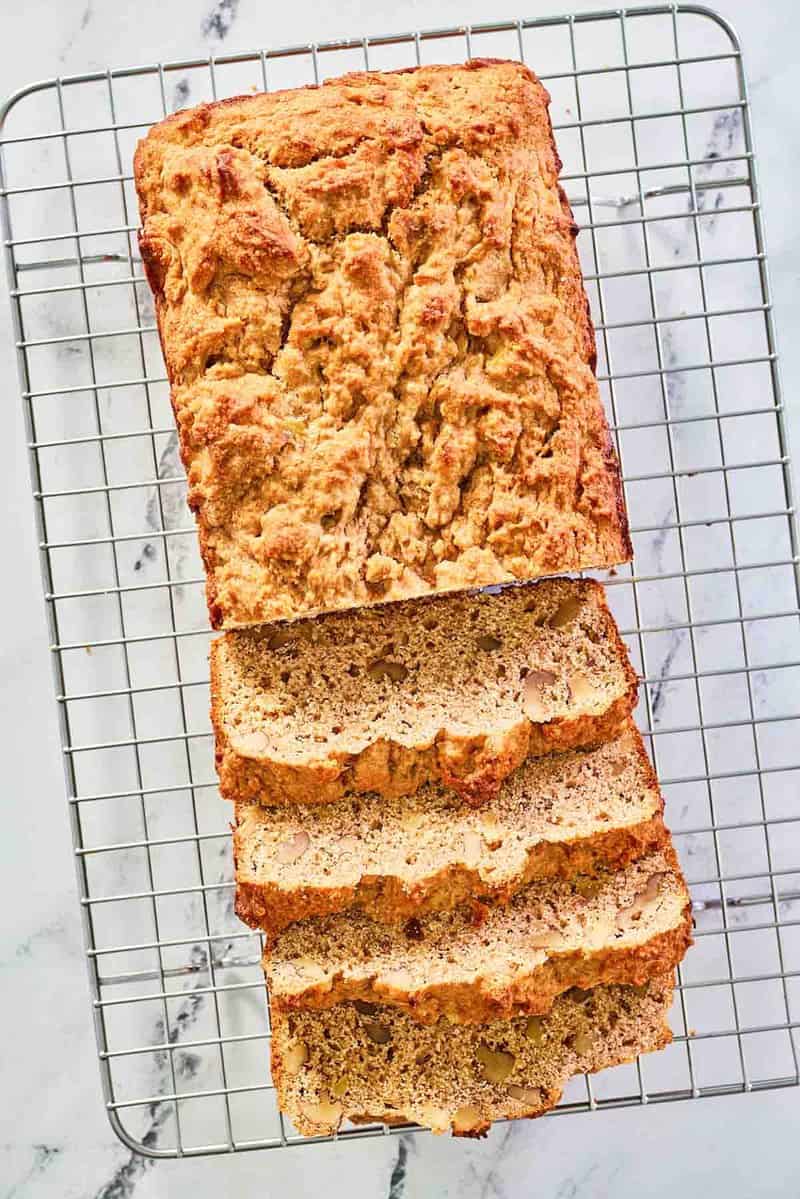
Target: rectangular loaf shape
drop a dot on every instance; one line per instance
(378, 342)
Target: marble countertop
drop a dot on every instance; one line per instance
(54, 1137)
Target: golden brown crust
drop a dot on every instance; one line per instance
(474, 757)
(270, 907)
(449, 759)
(465, 1004)
(470, 993)
(548, 1099)
(569, 814)
(378, 341)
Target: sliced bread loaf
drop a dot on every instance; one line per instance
(345, 1064)
(562, 815)
(460, 688)
(482, 963)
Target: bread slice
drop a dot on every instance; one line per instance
(343, 1063)
(460, 688)
(561, 815)
(482, 963)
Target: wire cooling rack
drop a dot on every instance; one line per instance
(652, 121)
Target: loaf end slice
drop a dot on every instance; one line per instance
(378, 341)
(558, 816)
(458, 688)
(344, 1064)
(480, 963)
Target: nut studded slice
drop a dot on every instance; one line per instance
(562, 815)
(344, 1064)
(460, 688)
(476, 963)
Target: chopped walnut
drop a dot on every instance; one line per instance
(294, 848)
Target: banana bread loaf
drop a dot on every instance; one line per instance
(378, 341)
(459, 688)
(557, 816)
(346, 1063)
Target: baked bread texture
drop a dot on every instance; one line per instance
(481, 963)
(363, 1063)
(458, 688)
(378, 342)
(557, 816)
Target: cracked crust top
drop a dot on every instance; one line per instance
(378, 341)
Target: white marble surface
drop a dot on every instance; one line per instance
(54, 1138)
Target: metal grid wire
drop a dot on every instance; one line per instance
(659, 167)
